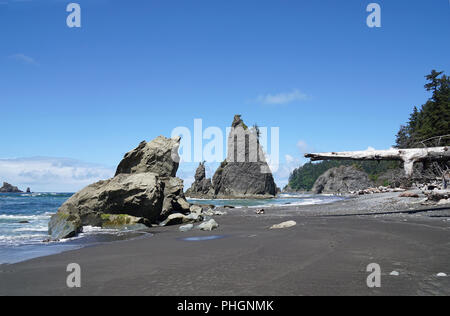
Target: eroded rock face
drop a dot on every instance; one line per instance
(8, 188)
(174, 198)
(159, 156)
(202, 187)
(142, 192)
(139, 195)
(343, 179)
(244, 174)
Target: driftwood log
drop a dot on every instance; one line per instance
(408, 156)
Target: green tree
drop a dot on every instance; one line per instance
(433, 118)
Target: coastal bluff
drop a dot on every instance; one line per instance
(144, 191)
(243, 174)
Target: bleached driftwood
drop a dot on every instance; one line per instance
(408, 156)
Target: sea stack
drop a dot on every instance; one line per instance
(8, 188)
(243, 174)
(143, 191)
(202, 187)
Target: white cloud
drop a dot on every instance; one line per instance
(24, 59)
(283, 97)
(43, 174)
(303, 146)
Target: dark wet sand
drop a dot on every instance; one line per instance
(322, 255)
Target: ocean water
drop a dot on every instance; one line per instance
(24, 226)
(281, 200)
(24, 221)
(34, 210)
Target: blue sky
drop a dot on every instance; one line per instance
(138, 69)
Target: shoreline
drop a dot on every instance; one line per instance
(11, 254)
(326, 253)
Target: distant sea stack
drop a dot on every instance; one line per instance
(8, 188)
(244, 174)
(202, 187)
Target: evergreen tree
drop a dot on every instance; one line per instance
(433, 118)
(430, 120)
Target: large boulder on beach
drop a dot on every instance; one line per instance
(159, 156)
(144, 191)
(343, 179)
(8, 188)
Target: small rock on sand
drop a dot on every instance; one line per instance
(394, 273)
(441, 275)
(196, 209)
(284, 225)
(186, 228)
(208, 226)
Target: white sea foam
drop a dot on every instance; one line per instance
(25, 217)
(14, 240)
(31, 229)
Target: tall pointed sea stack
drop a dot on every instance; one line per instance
(244, 174)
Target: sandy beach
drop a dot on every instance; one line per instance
(326, 253)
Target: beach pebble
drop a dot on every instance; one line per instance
(208, 226)
(194, 217)
(441, 275)
(260, 212)
(186, 228)
(196, 209)
(209, 212)
(394, 273)
(284, 225)
(219, 213)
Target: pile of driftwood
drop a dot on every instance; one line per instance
(435, 192)
(377, 190)
(408, 156)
